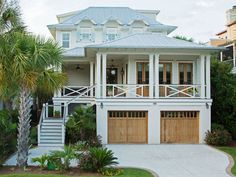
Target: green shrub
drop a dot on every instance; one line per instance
(233, 131)
(97, 158)
(8, 127)
(110, 171)
(81, 126)
(218, 138)
(215, 126)
(41, 160)
(34, 135)
(61, 159)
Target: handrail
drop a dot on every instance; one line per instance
(42, 115)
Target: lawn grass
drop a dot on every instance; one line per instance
(128, 172)
(231, 151)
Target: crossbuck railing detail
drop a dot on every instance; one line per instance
(180, 91)
(127, 90)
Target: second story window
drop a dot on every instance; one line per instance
(66, 40)
(165, 71)
(185, 73)
(85, 35)
(111, 34)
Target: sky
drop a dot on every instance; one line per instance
(199, 19)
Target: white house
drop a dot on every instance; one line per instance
(147, 87)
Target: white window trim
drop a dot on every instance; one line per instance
(69, 39)
(111, 31)
(85, 30)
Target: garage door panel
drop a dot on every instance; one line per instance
(180, 127)
(137, 130)
(117, 130)
(127, 127)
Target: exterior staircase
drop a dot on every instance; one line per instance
(51, 130)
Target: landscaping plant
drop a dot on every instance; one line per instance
(111, 171)
(97, 158)
(43, 160)
(82, 125)
(218, 137)
(61, 159)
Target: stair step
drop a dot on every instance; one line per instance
(53, 120)
(50, 127)
(51, 138)
(51, 133)
(51, 124)
(51, 145)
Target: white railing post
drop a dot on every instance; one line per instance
(104, 74)
(208, 76)
(39, 128)
(46, 111)
(151, 71)
(98, 69)
(63, 134)
(91, 77)
(202, 76)
(156, 75)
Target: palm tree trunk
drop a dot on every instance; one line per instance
(23, 127)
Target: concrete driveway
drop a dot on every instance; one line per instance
(174, 160)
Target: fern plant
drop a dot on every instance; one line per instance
(41, 160)
(97, 158)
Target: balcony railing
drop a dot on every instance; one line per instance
(180, 91)
(73, 91)
(127, 90)
(135, 91)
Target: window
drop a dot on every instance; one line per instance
(185, 73)
(142, 73)
(84, 34)
(111, 34)
(66, 40)
(165, 71)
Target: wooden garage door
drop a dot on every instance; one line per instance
(180, 127)
(127, 127)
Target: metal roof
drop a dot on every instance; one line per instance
(152, 40)
(78, 52)
(123, 15)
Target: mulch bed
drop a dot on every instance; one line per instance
(37, 170)
(233, 143)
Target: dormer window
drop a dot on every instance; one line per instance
(85, 35)
(111, 34)
(66, 40)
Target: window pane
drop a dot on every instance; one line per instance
(161, 66)
(66, 36)
(65, 44)
(140, 73)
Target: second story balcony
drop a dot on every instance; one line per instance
(138, 76)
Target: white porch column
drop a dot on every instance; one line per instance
(208, 76)
(151, 59)
(156, 69)
(91, 76)
(104, 73)
(202, 76)
(98, 69)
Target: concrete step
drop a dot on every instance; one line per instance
(51, 131)
(50, 127)
(50, 145)
(53, 138)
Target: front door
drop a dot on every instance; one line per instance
(185, 77)
(143, 78)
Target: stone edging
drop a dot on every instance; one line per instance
(231, 161)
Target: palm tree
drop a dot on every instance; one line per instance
(27, 63)
(10, 16)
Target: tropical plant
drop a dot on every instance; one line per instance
(41, 160)
(97, 158)
(10, 16)
(8, 127)
(223, 92)
(64, 157)
(218, 137)
(184, 38)
(27, 63)
(82, 125)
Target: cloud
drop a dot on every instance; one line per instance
(204, 4)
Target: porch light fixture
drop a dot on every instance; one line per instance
(113, 71)
(101, 105)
